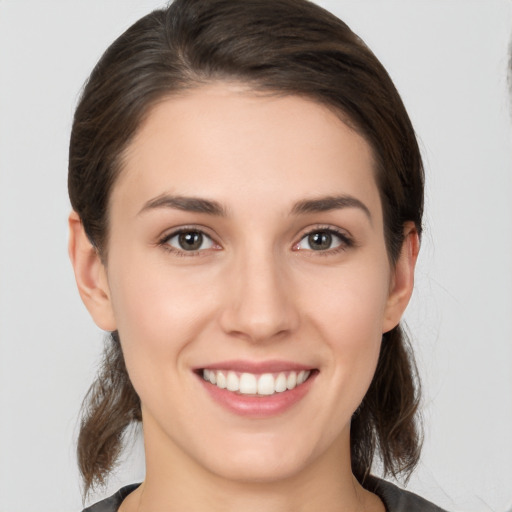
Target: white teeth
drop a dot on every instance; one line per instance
(250, 384)
(221, 380)
(281, 383)
(266, 384)
(232, 382)
(291, 381)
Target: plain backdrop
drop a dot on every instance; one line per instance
(449, 61)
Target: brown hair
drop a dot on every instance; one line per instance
(289, 47)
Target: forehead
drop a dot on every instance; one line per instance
(225, 140)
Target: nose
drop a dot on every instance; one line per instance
(259, 301)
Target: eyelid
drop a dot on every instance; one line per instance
(163, 240)
(346, 239)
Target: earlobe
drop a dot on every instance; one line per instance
(90, 275)
(402, 282)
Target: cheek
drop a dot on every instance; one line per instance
(157, 310)
(351, 302)
(349, 313)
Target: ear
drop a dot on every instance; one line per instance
(402, 278)
(90, 275)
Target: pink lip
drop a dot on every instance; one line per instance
(258, 406)
(272, 366)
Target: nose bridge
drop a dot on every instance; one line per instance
(259, 305)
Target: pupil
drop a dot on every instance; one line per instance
(320, 241)
(191, 241)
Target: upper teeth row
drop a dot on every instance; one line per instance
(250, 384)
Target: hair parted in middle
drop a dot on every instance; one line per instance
(276, 47)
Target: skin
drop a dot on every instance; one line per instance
(257, 291)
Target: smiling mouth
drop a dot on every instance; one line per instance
(265, 384)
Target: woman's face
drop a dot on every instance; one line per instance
(246, 246)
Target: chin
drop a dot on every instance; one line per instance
(260, 460)
(258, 469)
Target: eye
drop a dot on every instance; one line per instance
(323, 240)
(189, 241)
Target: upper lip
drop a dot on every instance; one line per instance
(256, 367)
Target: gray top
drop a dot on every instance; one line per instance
(394, 498)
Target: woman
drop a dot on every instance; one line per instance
(247, 197)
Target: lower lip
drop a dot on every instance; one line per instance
(263, 406)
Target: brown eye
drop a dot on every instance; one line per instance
(189, 241)
(323, 240)
(320, 241)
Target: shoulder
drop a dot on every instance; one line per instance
(113, 503)
(399, 500)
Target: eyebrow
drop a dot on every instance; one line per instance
(324, 204)
(210, 207)
(187, 204)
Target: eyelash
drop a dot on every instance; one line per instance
(164, 242)
(346, 242)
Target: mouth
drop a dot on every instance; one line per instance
(261, 389)
(252, 384)
(257, 390)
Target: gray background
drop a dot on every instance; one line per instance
(449, 61)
